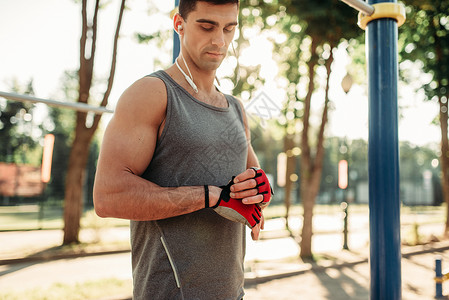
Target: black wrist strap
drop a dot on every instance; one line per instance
(206, 196)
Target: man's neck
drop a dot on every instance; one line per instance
(203, 79)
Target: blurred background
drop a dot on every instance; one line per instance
(298, 66)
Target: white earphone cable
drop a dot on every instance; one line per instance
(188, 79)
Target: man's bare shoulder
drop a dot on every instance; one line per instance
(147, 98)
(147, 91)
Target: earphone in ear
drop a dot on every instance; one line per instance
(179, 27)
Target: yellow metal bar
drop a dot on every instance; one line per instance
(439, 279)
(384, 10)
(443, 278)
(174, 12)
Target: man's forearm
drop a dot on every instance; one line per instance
(134, 198)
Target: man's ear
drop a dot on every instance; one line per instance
(178, 22)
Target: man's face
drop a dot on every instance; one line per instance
(208, 31)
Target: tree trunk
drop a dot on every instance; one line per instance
(307, 163)
(290, 169)
(83, 135)
(445, 159)
(312, 167)
(73, 207)
(309, 192)
(444, 130)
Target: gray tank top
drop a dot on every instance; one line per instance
(198, 255)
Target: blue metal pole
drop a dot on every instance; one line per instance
(383, 156)
(176, 46)
(438, 275)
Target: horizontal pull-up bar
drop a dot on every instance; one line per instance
(83, 107)
(361, 6)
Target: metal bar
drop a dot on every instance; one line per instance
(361, 6)
(176, 45)
(439, 275)
(76, 105)
(383, 159)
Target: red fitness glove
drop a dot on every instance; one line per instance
(263, 186)
(234, 210)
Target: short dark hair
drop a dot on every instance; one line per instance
(186, 6)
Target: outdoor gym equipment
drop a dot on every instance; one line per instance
(381, 20)
(383, 150)
(440, 277)
(83, 107)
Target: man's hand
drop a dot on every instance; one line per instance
(234, 210)
(248, 193)
(252, 186)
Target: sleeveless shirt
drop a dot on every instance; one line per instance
(197, 255)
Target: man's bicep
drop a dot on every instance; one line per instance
(126, 147)
(130, 138)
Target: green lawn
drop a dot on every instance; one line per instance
(100, 289)
(31, 217)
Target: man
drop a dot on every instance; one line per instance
(173, 141)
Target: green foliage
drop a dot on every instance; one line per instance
(158, 38)
(414, 161)
(425, 38)
(18, 129)
(327, 21)
(357, 67)
(254, 16)
(63, 121)
(355, 152)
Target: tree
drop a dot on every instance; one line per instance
(16, 127)
(308, 46)
(85, 127)
(19, 132)
(321, 41)
(62, 127)
(425, 39)
(289, 58)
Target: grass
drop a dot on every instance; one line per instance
(28, 217)
(433, 214)
(110, 288)
(31, 217)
